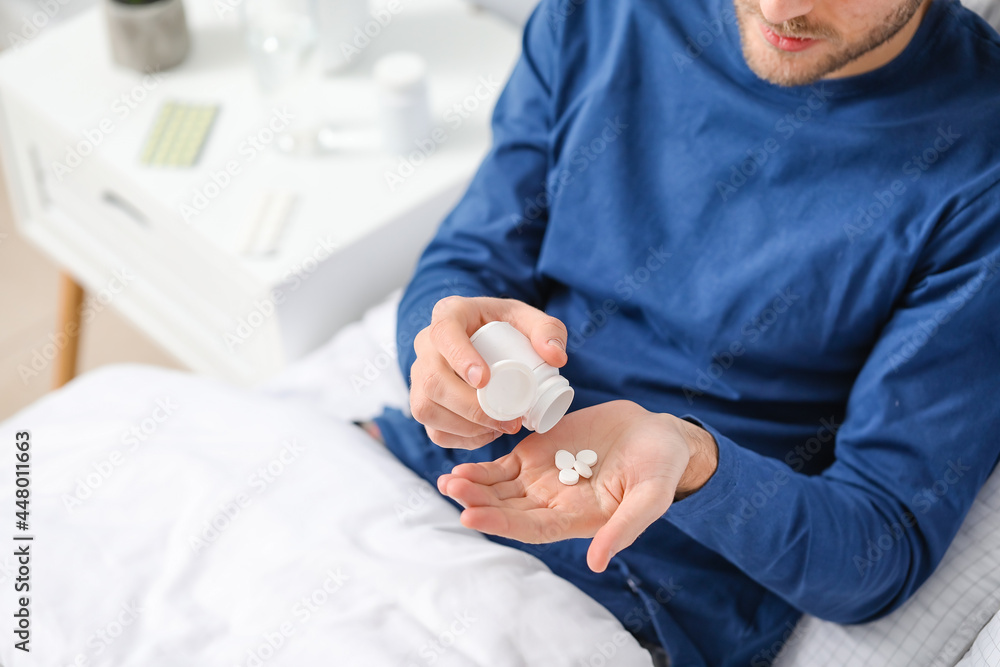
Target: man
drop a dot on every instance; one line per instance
(762, 242)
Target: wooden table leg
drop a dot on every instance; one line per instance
(67, 323)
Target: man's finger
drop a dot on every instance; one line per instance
(470, 494)
(442, 483)
(511, 489)
(504, 469)
(443, 388)
(533, 526)
(640, 507)
(547, 334)
(452, 441)
(549, 340)
(449, 334)
(435, 416)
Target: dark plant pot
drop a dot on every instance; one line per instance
(148, 36)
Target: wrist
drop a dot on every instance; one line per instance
(703, 461)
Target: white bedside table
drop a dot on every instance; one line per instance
(352, 238)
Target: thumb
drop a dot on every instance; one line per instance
(547, 334)
(640, 507)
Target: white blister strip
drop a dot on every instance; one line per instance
(270, 214)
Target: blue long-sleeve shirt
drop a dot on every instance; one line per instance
(810, 272)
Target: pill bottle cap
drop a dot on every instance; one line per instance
(554, 398)
(509, 392)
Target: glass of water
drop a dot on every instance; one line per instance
(279, 33)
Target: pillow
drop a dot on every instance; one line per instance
(355, 375)
(988, 9)
(986, 650)
(933, 628)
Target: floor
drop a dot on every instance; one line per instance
(28, 295)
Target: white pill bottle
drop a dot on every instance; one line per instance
(521, 383)
(401, 78)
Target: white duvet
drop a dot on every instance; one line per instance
(181, 521)
(258, 527)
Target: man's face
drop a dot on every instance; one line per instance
(835, 37)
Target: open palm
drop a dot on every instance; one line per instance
(641, 458)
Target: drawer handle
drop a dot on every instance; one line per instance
(125, 207)
(39, 172)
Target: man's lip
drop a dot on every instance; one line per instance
(786, 43)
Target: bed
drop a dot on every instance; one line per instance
(178, 519)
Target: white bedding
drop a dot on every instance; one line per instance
(935, 628)
(408, 586)
(133, 573)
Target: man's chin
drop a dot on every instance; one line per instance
(786, 69)
(779, 67)
(783, 73)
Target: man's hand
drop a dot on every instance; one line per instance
(644, 460)
(448, 370)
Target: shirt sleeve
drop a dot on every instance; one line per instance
(918, 441)
(489, 244)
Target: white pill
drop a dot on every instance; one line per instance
(583, 469)
(569, 477)
(587, 456)
(564, 460)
